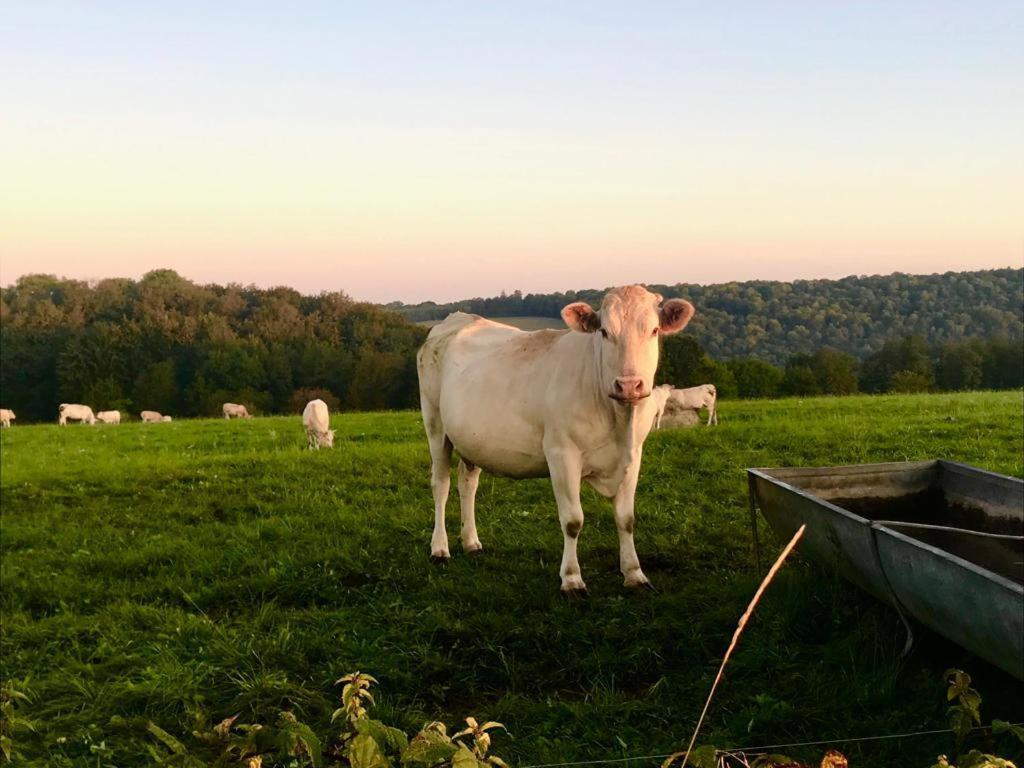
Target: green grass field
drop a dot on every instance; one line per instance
(152, 571)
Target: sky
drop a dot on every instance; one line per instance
(439, 150)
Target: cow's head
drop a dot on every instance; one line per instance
(626, 333)
(326, 438)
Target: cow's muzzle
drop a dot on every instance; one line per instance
(629, 389)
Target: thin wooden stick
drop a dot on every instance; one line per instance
(739, 630)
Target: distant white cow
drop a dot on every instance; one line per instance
(317, 421)
(6, 417)
(704, 396)
(150, 416)
(660, 395)
(75, 412)
(109, 417)
(235, 411)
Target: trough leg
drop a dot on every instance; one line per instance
(469, 479)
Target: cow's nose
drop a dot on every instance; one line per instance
(629, 387)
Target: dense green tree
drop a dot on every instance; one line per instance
(909, 381)
(958, 366)
(755, 378)
(836, 371)
(156, 388)
(681, 361)
(799, 379)
(909, 354)
(1002, 364)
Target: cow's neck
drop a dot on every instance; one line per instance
(620, 418)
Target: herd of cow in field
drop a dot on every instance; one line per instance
(575, 406)
(315, 418)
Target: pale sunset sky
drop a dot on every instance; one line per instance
(440, 150)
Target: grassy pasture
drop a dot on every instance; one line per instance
(149, 571)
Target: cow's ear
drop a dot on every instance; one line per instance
(674, 315)
(581, 317)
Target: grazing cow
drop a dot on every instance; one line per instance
(704, 396)
(6, 417)
(235, 411)
(317, 421)
(572, 404)
(75, 412)
(149, 417)
(109, 417)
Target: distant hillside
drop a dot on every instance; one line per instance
(774, 320)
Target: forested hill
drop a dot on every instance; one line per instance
(772, 321)
(167, 344)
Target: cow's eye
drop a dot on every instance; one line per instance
(654, 332)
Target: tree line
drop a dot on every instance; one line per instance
(167, 344)
(772, 321)
(907, 364)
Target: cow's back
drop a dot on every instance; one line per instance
(488, 381)
(316, 416)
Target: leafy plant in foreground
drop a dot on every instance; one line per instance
(11, 722)
(370, 743)
(363, 742)
(964, 717)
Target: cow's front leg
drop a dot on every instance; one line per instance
(629, 563)
(469, 479)
(565, 468)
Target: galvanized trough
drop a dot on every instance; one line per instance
(941, 542)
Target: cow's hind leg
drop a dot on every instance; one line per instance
(469, 479)
(440, 481)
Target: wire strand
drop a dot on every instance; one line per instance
(765, 747)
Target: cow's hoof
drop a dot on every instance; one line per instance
(440, 559)
(637, 581)
(641, 587)
(473, 549)
(575, 593)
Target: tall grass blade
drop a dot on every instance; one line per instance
(739, 631)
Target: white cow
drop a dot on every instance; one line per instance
(109, 417)
(6, 417)
(660, 395)
(704, 396)
(75, 412)
(573, 405)
(233, 410)
(317, 421)
(149, 417)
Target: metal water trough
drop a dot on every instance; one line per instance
(941, 542)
